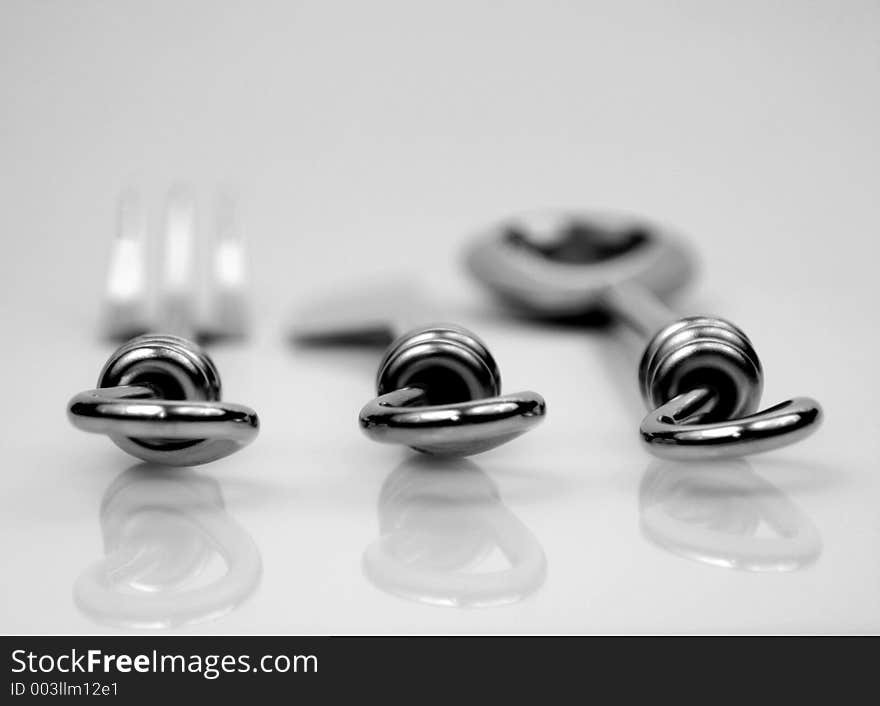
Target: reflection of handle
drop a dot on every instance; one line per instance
(439, 392)
(704, 380)
(438, 525)
(160, 529)
(713, 515)
(158, 398)
(439, 586)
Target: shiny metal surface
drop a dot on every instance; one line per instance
(126, 310)
(158, 398)
(187, 279)
(179, 272)
(754, 127)
(699, 376)
(227, 314)
(439, 392)
(555, 264)
(438, 387)
(163, 532)
(447, 539)
(372, 314)
(700, 350)
(676, 430)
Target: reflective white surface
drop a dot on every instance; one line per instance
(368, 142)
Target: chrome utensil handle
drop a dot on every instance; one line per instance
(158, 398)
(669, 434)
(439, 393)
(699, 375)
(702, 379)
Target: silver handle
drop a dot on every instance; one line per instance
(699, 376)
(702, 380)
(158, 398)
(439, 392)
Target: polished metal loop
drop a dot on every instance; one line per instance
(158, 398)
(440, 393)
(704, 379)
(700, 375)
(703, 351)
(678, 430)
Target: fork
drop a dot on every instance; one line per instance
(159, 394)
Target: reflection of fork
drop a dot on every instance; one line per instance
(158, 396)
(163, 529)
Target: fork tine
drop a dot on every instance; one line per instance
(227, 311)
(126, 308)
(178, 286)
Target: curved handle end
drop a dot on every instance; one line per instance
(457, 429)
(673, 430)
(169, 432)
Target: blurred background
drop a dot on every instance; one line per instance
(371, 141)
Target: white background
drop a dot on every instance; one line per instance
(370, 140)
